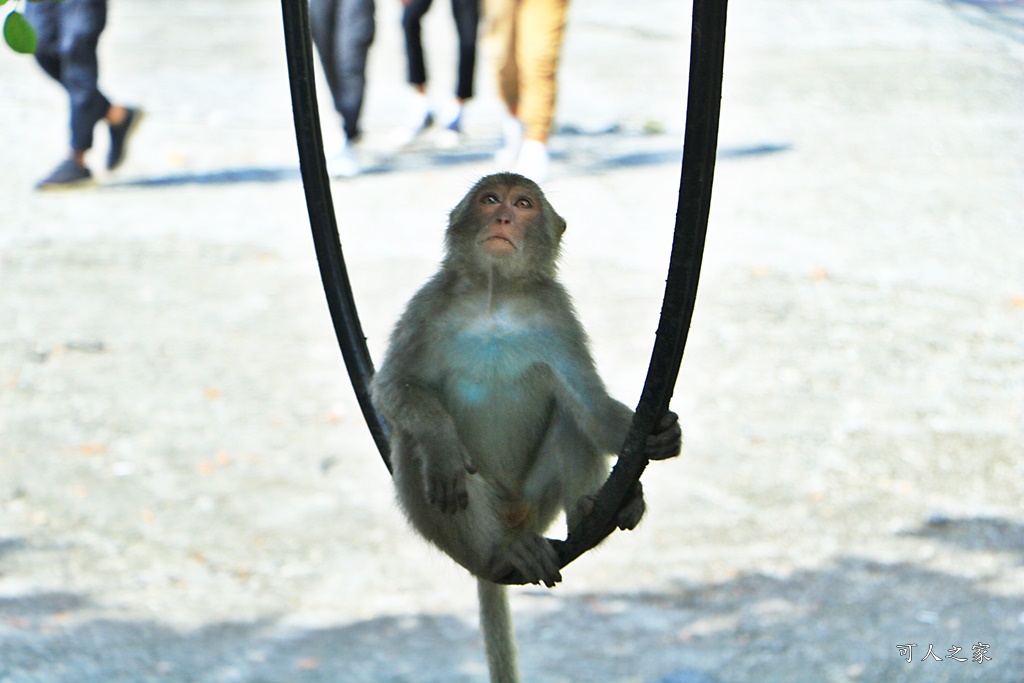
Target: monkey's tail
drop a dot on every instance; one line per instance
(499, 637)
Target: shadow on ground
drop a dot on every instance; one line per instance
(844, 622)
(1005, 17)
(601, 153)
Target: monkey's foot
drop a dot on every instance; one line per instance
(532, 556)
(633, 511)
(584, 506)
(626, 519)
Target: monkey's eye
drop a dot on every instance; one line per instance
(490, 198)
(524, 203)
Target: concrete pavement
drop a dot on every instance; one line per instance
(187, 492)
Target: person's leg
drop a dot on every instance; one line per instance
(44, 19)
(352, 30)
(323, 20)
(69, 33)
(420, 115)
(539, 46)
(500, 40)
(81, 22)
(412, 16)
(467, 20)
(353, 36)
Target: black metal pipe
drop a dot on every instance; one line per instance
(316, 182)
(707, 48)
(703, 106)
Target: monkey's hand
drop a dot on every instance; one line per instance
(444, 477)
(667, 440)
(532, 556)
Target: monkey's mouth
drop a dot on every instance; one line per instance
(496, 245)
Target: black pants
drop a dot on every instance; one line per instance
(69, 32)
(467, 17)
(342, 32)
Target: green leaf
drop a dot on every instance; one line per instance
(19, 34)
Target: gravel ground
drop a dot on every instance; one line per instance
(187, 491)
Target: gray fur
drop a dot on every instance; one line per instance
(499, 418)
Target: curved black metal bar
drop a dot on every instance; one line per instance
(316, 182)
(703, 106)
(707, 53)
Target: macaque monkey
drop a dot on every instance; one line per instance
(498, 417)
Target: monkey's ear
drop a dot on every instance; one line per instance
(560, 224)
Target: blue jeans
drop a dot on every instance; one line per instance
(342, 32)
(69, 32)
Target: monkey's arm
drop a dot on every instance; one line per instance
(665, 442)
(402, 392)
(578, 389)
(607, 421)
(417, 413)
(604, 420)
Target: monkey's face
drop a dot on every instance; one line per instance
(505, 211)
(504, 226)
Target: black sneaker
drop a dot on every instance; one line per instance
(119, 137)
(67, 175)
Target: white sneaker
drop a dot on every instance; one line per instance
(450, 135)
(344, 164)
(420, 119)
(533, 161)
(512, 134)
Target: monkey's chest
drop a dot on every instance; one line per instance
(498, 388)
(496, 350)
